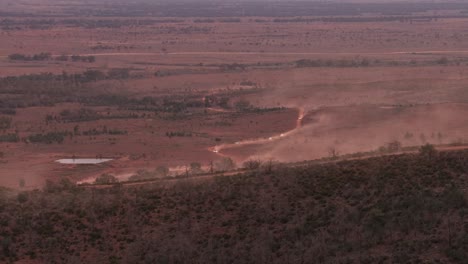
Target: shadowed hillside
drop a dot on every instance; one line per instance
(397, 209)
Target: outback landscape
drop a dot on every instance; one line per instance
(166, 118)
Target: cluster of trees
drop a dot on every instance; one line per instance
(395, 209)
(221, 20)
(5, 122)
(45, 56)
(97, 132)
(106, 179)
(331, 63)
(17, 24)
(136, 13)
(182, 71)
(364, 62)
(224, 164)
(86, 76)
(88, 114)
(243, 105)
(48, 138)
(56, 84)
(6, 111)
(233, 67)
(76, 58)
(159, 172)
(218, 68)
(355, 19)
(178, 134)
(58, 88)
(119, 73)
(391, 147)
(37, 57)
(80, 115)
(168, 104)
(258, 9)
(214, 100)
(248, 83)
(10, 137)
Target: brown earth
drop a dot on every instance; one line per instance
(415, 84)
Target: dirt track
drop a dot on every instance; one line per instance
(278, 53)
(217, 149)
(243, 171)
(266, 53)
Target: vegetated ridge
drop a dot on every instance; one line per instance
(407, 208)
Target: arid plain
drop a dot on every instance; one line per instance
(150, 91)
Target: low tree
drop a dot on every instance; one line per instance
(62, 58)
(105, 179)
(76, 130)
(443, 61)
(224, 102)
(195, 168)
(252, 164)
(91, 59)
(242, 105)
(5, 122)
(66, 184)
(428, 150)
(333, 152)
(22, 197)
(119, 73)
(267, 167)
(22, 183)
(225, 164)
(394, 146)
(161, 171)
(94, 75)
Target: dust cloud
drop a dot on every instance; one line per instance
(345, 130)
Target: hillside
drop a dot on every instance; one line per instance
(408, 208)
